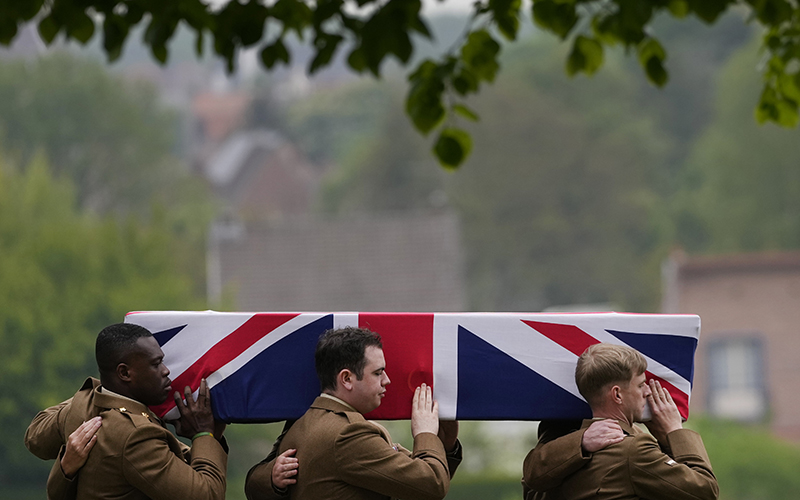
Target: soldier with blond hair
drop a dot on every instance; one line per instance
(670, 464)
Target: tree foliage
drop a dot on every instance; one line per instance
(559, 202)
(112, 139)
(370, 31)
(64, 275)
(741, 186)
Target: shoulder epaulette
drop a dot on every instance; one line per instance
(137, 418)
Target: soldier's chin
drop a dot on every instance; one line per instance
(646, 415)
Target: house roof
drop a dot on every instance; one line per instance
(391, 262)
(740, 262)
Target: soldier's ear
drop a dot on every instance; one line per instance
(616, 394)
(123, 372)
(345, 379)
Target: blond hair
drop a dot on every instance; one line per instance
(603, 364)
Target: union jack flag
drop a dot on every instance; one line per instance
(482, 366)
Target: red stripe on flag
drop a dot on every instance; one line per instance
(222, 353)
(569, 337)
(408, 348)
(576, 341)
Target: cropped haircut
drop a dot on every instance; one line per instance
(115, 342)
(343, 348)
(601, 365)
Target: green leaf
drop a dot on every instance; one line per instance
(357, 60)
(250, 23)
(651, 57)
(772, 107)
(506, 15)
(558, 17)
(465, 112)
(466, 82)
(586, 56)
(479, 54)
(424, 100)
(650, 48)
(48, 29)
(656, 72)
(115, 31)
(273, 53)
(709, 10)
(199, 43)
(773, 12)
(326, 45)
(294, 14)
(80, 27)
(159, 53)
(8, 30)
(678, 8)
(452, 147)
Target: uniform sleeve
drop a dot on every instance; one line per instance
(149, 465)
(555, 457)
(365, 459)
(43, 437)
(59, 487)
(454, 458)
(686, 475)
(258, 484)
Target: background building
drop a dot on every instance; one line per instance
(746, 366)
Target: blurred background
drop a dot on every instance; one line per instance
(140, 187)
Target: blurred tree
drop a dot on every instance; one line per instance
(559, 205)
(65, 274)
(373, 30)
(741, 185)
(113, 139)
(559, 202)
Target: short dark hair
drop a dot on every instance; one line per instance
(342, 348)
(601, 365)
(115, 342)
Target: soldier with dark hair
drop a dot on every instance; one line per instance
(132, 455)
(339, 454)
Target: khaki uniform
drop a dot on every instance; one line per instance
(135, 456)
(636, 468)
(343, 456)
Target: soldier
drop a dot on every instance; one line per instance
(132, 455)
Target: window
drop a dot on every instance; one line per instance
(737, 388)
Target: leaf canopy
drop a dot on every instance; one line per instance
(374, 30)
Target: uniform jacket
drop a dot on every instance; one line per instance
(343, 456)
(635, 468)
(135, 456)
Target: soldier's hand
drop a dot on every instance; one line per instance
(78, 446)
(666, 417)
(285, 469)
(601, 434)
(424, 412)
(196, 415)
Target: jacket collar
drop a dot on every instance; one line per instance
(627, 428)
(106, 400)
(335, 405)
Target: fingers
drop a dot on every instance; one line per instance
(89, 428)
(284, 469)
(187, 395)
(188, 400)
(84, 437)
(203, 394)
(423, 400)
